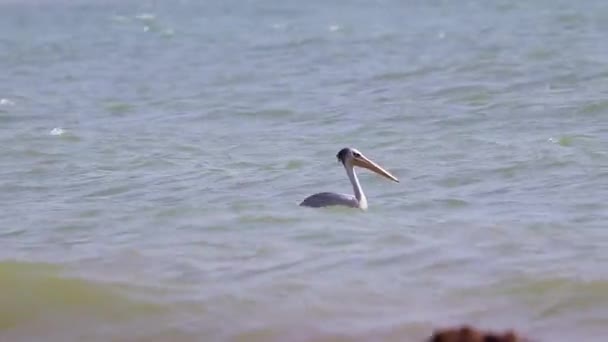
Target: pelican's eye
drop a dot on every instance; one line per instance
(356, 154)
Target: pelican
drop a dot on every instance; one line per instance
(349, 157)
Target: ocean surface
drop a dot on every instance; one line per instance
(153, 155)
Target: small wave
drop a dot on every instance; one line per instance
(156, 28)
(57, 131)
(119, 18)
(145, 16)
(110, 191)
(294, 164)
(6, 102)
(267, 113)
(279, 26)
(167, 32)
(402, 75)
(454, 203)
(33, 291)
(575, 293)
(118, 108)
(291, 44)
(148, 20)
(267, 219)
(565, 140)
(541, 54)
(595, 107)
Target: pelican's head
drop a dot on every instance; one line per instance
(350, 157)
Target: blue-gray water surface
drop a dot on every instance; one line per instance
(153, 155)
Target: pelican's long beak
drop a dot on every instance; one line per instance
(370, 165)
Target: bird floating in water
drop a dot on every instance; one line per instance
(349, 157)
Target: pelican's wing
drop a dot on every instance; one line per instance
(325, 199)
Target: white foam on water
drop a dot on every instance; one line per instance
(57, 131)
(6, 102)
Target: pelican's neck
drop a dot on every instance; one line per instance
(354, 180)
